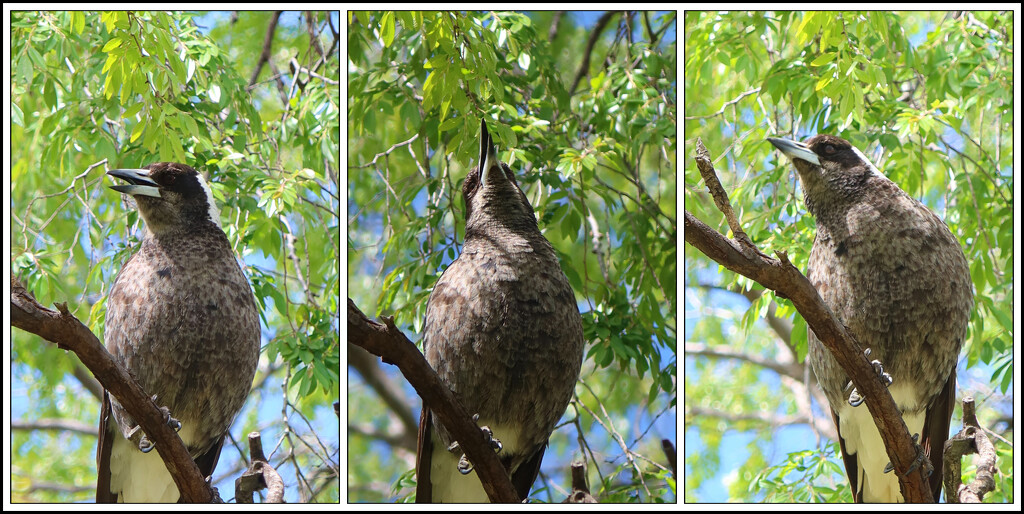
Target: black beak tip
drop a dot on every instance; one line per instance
(485, 144)
(133, 176)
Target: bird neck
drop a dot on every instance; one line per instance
(502, 240)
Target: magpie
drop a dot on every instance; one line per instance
(894, 274)
(182, 320)
(503, 332)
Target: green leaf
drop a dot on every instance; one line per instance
(387, 28)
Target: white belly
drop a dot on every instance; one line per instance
(138, 477)
(861, 436)
(450, 486)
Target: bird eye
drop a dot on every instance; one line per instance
(830, 149)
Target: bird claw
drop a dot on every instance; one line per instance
(145, 444)
(465, 467)
(168, 419)
(855, 397)
(882, 375)
(919, 460)
(492, 441)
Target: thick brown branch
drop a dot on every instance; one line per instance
(970, 439)
(388, 342)
(782, 277)
(62, 328)
(260, 475)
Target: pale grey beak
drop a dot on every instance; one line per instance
(139, 183)
(795, 150)
(488, 153)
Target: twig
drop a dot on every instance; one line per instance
(268, 41)
(587, 50)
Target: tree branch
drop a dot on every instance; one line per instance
(368, 367)
(388, 342)
(68, 425)
(62, 328)
(580, 491)
(585, 62)
(259, 475)
(791, 370)
(268, 41)
(970, 439)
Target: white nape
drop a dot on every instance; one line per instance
(866, 161)
(214, 213)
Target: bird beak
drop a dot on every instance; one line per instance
(795, 150)
(139, 183)
(488, 153)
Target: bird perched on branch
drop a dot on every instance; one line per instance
(503, 332)
(893, 273)
(181, 319)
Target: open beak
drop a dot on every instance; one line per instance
(139, 183)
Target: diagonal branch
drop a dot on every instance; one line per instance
(268, 41)
(585, 62)
(388, 342)
(62, 328)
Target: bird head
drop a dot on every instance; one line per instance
(491, 192)
(170, 196)
(832, 171)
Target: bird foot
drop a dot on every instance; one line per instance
(465, 467)
(145, 445)
(919, 460)
(855, 397)
(168, 419)
(214, 491)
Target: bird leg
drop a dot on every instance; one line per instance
(213, 491)
(465, 467)
(145, 445)
(918, 460)
(855, 397)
